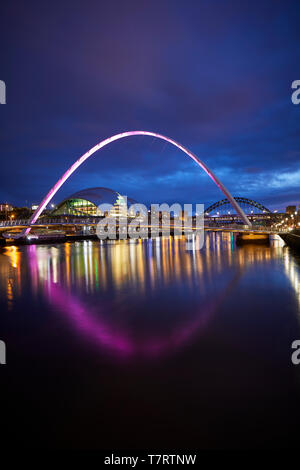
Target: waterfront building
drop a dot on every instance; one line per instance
(4, 207)
(87, 201)
(291, 210)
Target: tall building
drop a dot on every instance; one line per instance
(291, 210)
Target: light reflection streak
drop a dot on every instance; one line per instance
(127, 266)
(92, 323)
(12, 275)
(141, 266)
(292, 271)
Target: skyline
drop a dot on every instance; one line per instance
(220, 85)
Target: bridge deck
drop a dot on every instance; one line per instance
(4, 227)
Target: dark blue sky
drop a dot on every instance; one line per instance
(214, 75)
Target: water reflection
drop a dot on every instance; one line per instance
(292, 271)
(136, 298)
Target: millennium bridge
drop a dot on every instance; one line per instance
(235, 204)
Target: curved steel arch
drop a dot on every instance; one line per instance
(240, 200)
(122, 135)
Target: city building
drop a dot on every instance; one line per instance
(4, 207)
(291, 210)
(87, 201)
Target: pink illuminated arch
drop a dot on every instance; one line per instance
(105, 142)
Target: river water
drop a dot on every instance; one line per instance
(145, 345)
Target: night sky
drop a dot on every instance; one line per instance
(214, 75)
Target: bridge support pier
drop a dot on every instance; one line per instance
(251, 237)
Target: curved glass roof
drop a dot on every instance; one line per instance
(98, 196)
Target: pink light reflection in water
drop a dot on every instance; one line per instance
(91, 322)
(85, 322)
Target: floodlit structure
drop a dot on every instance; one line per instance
(87, 201)
(123, 135)
(248, 205)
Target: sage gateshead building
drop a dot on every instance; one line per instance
(85, 203)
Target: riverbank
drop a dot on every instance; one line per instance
(292, 239)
